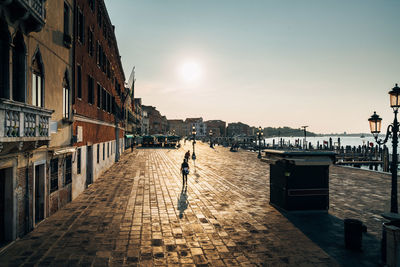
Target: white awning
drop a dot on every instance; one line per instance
(64, 151)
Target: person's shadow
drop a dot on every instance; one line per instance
(183, 201)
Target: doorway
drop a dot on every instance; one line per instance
(39, 192)
(89, 166)
(6, 206)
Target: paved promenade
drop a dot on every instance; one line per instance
(138, 214)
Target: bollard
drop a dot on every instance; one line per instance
(353, 234)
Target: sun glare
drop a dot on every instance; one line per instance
(190, 71)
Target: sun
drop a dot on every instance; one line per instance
(190, 71)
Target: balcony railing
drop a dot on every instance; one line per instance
(30, 13)
(23, 122)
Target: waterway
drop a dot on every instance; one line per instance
(344, 140)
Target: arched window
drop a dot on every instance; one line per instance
(19, 68)
(4, 60)
(37, 80)
(66, 97)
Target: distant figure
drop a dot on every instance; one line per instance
(185, 171)
(131, 146)
(187, 155)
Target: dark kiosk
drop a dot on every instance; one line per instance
(299, 180)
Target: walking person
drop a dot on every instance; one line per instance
(187, 155)
(185, 171)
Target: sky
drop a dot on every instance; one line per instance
(324, 64)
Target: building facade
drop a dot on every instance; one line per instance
(98, 97)
(138, 115)
(177, 127)
(218, 127)
(199, 125)
(36, 151)
(145, 122)
(237, 128)
(157, 123)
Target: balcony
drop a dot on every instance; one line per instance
(24, 127)
(31, 13)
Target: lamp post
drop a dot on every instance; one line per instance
(305, 137)
(194, 142)
(259, 135)
(392, 130)
(210, 134)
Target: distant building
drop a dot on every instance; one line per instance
(145, 122)
(200, 126)
(138, 115)
(178, 127)
(157, 123)
(237, 128)
(218, 127)
(253, 131)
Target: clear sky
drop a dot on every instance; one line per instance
(325, 64)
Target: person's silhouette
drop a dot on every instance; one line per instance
(183, 201)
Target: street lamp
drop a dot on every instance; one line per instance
(305, 137)
(210, 134)
(392, 130)
(194, 142)
(259, 135)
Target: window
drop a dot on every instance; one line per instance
(97, 53)
(117, 87)
(81, 27)
(4, 60)
(79, 81)
(90, 41)
(99, 16)
(104, 99)
(108, 149)
(104, 151)
(90, 90)
(68, 170)
(98, 153)
(103, 61)
(92, 4)
(99, 95)
(37, 80)
(107, 101)
(78, 163)
(53, 175)
(108, 69)
(105, 31)
(66, 99)
(66, 19)
(19, 68)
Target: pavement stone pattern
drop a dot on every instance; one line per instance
(138, 214)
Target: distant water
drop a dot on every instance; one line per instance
(344, 140)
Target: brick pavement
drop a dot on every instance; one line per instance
(138, 214)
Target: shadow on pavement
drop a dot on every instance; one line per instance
(183, 201)
(327, 232)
